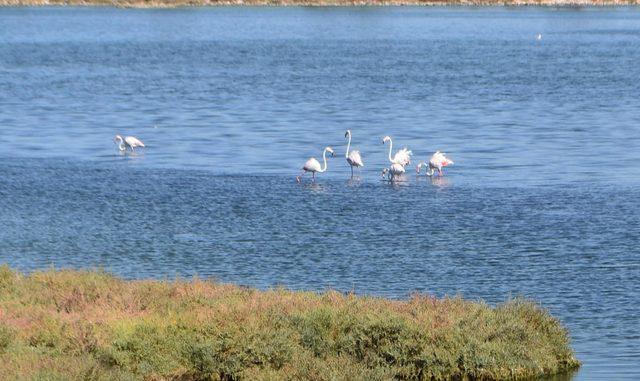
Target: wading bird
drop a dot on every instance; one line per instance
(437, 162)
(129, 141)
(402, 157)
(312, 165)
(353, 157)
(393, 171)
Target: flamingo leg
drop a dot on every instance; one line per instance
(314, 177)
(351, 171)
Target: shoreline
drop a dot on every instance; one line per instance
(316, 3)
(69, 324)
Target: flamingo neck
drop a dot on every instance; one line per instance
(324, 158)
(348, 146)
(390, 148)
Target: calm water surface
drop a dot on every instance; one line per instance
(543, 200)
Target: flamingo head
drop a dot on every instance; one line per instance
(330, 150)
(347, 133)
(384, 172)
(418, 167)
(386, 139)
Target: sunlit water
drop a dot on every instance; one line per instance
(543, 199)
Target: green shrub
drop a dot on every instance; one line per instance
(7, 278)
(6, 337)
(92, 326)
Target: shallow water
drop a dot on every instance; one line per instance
(542, 200)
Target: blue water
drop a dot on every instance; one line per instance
(543, 199)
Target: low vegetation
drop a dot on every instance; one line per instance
(71, 325)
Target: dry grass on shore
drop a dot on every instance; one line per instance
(71, 325)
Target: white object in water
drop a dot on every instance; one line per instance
(437, 161)
(353, 157)
(394, 171)
(402, 157)
(312, 165)
(129, 141)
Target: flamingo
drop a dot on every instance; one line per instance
(353, 157)
(438, 161)
(129, 141)
(312, 165)
(402, 157)
(394, 171)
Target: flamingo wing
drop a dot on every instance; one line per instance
(446, 160)
(402, 157)
(440, 160)
(312, 165)
(355, 159)
(397, 158)
(397, 169)
(436, 159)
(133, 141)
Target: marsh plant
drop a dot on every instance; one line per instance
(70, 325)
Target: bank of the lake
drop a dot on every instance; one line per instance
(198, 3)
(76, 325)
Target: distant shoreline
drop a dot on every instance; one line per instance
(317, 3)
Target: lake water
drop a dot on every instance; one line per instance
(543, 199)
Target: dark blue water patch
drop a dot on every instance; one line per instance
(573, 248)
(130, 209)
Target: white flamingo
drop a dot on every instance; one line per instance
(129, 141)
(353, 157)
(402, 157)
(393, 171)
(312, 165)
(437, 162)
